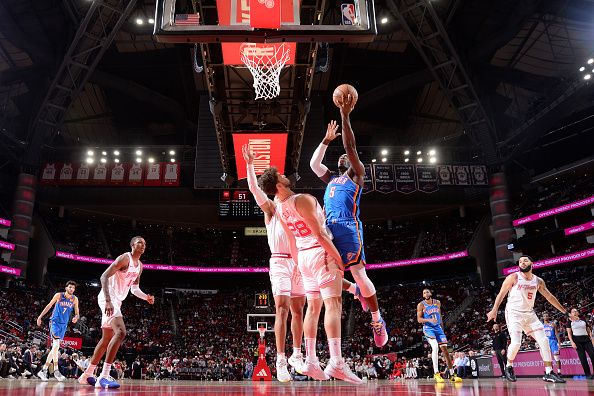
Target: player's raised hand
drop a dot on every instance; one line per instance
(331, 131)
(346, 104)
(491, 315)
(150, 298)
(75, 319)
(108, 308)
(248, 156)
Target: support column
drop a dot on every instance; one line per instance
(22, 217)
(503, 230)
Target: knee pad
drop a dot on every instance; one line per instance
(365, 285)
(543, 344)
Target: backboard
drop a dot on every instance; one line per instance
(233, 21)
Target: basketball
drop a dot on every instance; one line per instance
(344, 89)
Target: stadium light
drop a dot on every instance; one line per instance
(139, 160)
(432, 152)
(139, 21)
(90, 160)
(151, 20)
(406, 159)
(590, 61)
(90, 153)
(587, 77)
(103, 160)
(116, 153)
(138, 152)
(419, 159)
(151, 160)
(117, 160)
(384, 159)
(384, 20)
(419, 152)
(374, 160)
(582, 68)
(384, 152)
(406, 152)
(104, 153)
(171, 152)
(433, 160)
(172, 160)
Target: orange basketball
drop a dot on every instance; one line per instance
(344, 89)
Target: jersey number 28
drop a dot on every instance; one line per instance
(299, 228)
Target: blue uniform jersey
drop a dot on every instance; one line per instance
(552, 336)
(430, 311)
(62, 309)
(341, 207)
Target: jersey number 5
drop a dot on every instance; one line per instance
(530, 295)
(331, 194)
(299, 228)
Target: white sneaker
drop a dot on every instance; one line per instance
(26, 373)
(42, 375)
(339, 369)
(312, 368)
(282, 374)
(58, 375)
(296, 361)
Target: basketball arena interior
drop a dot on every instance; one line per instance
(261, 197)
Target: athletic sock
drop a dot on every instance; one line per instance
(280, 356)
(310, 347)
(296, 351)
(548, 369)
(335, 352)
(509, 364)
(106, 370)
(352, 288)
(91, 369)
(376, 316)
(451, 371)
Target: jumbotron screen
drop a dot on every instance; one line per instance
(238, 204)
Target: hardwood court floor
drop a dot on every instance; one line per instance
(487, 386)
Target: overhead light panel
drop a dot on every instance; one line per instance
(138, 152)
(90, 153)
(171, 152)
(384, 152)
(139, 160)
(139, 21)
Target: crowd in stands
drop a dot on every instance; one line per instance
(94, 235)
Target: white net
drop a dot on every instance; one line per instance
(265, 64)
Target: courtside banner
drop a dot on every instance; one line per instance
(6, 245)
(10, 270)
(179, 268)
(581, 228)
(530, 363)
(554, 211)
(555, 260)
(5, 222)
(68, 342)
(269, 150)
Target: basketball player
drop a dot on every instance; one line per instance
(429, 314)
(550, 329)
(321, 269)
(520, 289)
(285, 278)
(63, 304)
(341, 205)
(121, 277)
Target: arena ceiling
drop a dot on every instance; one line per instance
(521, 57)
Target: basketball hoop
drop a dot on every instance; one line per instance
(265, 63)
(262, 331)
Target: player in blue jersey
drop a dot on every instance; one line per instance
(63, 304)
(550, 329)
(341, 206)
(429, 314)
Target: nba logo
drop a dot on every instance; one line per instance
(348, 14)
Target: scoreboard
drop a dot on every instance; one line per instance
(238, 204)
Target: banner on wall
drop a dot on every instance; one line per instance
(405, 179)
(66, 174)
(479, 175)
(427, 178)
(269, 150)
(368, 181)
(153, 174)
(172, 172)
(445, 175)
(384, 178)
(117, 175)
(462, 174)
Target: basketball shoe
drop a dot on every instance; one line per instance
(340, 370)
(380, 334)
(296, 361)
(312, 368)
(107, 382)
(437, 377)
(282, 374)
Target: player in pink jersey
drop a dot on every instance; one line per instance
(121, 277)
(520, 288)
(285, 279)
(321, 268)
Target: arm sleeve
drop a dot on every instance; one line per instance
(316, 161)
(261, 197)
(138, 293)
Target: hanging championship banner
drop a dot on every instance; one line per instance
(171, 177)
(384, 178)
(83, 173)
(100, 174)
(479, 175)
(66, 174)
(153, 174)
(117, 174)
(426, 178)
(462, 174)
(48, 176)
(135, 175)
(368, 181)
(445, 175)
(405, 179)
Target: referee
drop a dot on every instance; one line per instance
(500, 346)
(580, 335)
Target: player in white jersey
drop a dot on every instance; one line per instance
(321, 268)
(121, 277)
(520, 288)
(285, 278)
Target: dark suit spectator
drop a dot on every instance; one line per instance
(499, 345)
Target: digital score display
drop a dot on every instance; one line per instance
(238, 204)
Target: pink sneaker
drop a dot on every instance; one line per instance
(341, 371)
(380, 334)
(312, 368)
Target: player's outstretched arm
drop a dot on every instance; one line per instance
(262, 199)
(76, 311)
(49, 306)
(542, 288)
(508, 283)
(348, 136)
(306, 206)
(135, 289)
(315, 163)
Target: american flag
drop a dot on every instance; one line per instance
(187, 19)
